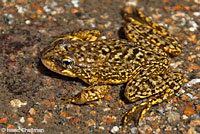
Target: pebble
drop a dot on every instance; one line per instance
(198, 107)
(184, 97)
(22, 120)
(193, 82)
(134, 130)
(54, 4)
(9, 126)
(132, 2)
(184, 117)
(72, 121)
(190, 95)
(196, 13)
(30, 120)
(176, 64)
(115, 129)
(188, 109)
(92, 112)
(106, 109)
(47, 117)
(183, 21)
(17, 103)
(158, 130)
(108, 97)
(59, 10)
(194, 26)
(173, 117)
(39, 11)
(8, 18)
(20, 9)
(195, 123)
(53, 13)
(46, 9)
(194, 127)
(20, 1)
(168, 128)
(32, 111)
(103, 37)
(91, 123)
(28, 22)
(101, 127)
(75, 3)
(3, 119)
(109, 119)
(145, 130)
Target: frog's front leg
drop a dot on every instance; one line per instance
(156, 89)
(85, 35)
(92, 93)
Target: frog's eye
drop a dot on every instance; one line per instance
(68, 63)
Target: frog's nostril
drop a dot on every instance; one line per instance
(66, 48)
(52, 59)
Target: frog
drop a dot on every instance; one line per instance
(141, 61)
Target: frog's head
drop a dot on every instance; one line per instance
(57, 59)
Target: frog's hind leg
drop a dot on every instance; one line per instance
(140, 28)
(92, 93)
(85, 35)
(137, 17)
(156, 89)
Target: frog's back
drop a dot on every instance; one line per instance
(112, 61)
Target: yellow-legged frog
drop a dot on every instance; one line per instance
(141, 61)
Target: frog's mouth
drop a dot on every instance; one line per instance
(55, 68)
(49, 64)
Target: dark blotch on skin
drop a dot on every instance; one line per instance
(89, 49)
(124, 54)
(95, 57)
(66, 48)
(135, 51)
(129, 58)
(136, 65)
(123, 73)
(117, 48)
(149, 54)
(104, 52)
(171, 85)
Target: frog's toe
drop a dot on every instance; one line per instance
(136, 114)
(89, 94)
(66, 100)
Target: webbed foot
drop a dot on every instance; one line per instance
(136, 114)
(156, 88)
(89, 94)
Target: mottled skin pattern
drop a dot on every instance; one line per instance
(141, 61)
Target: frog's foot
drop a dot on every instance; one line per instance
(91, 93)
(155, 88)
(137, 17)
(86, 35)
(136, 114)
